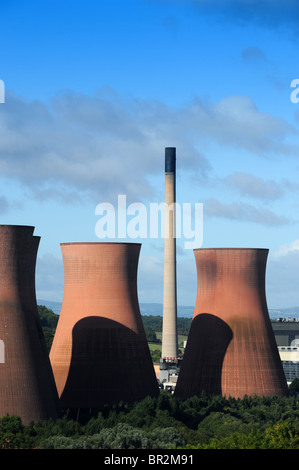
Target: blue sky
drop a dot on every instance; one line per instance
(94, 92)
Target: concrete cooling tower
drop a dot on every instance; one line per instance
(100, 353)
(27, 386)
(231, 348)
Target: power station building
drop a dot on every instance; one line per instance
(231, 349)
(286, 331)
(100, 353)
(27, 386)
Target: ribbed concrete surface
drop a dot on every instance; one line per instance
(231, 348)
(27, 387)
(100, 353)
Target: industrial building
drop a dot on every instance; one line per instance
(27, 387)
(286, 331)
(289, 356)
(231, 348)
(100, 353)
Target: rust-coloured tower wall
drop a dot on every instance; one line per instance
(27, 386)
(231, 348)
(100, 353)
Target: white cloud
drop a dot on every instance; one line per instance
(254, 186)
(282, 276)
(243, 212)
(286, 249)
(236, 121)
(105, 145)
(49, 278)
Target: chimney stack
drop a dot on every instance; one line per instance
(169, 333)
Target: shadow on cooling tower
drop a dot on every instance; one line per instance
(109, 364)
(201, 368)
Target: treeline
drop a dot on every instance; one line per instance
(49, 321)
(167, 422)
(155, 323)
(152, 325)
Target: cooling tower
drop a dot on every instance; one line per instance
(100, 353)
(27, 387)
(231, 348)
(169, 329)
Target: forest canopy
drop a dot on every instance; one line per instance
(166, 422)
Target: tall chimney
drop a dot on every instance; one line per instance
(169, 333)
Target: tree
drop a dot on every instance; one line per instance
(282, 436)
(294, 386)
(151, 335)
(49, 321)
(12, 433)
(156, 355)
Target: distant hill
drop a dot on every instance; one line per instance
(154, 309)
(183, 311)
(284, 312)
(157, 309)
(55, 306)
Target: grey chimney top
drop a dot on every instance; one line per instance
(170, 157)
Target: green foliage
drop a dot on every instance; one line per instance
(155, 322)
(166, 422)
(151, 335)
(164, 438)
(13, 434)
(221, 423)
(282, 436)
(279, 436)
(48, 318)
(183, 325)
(205, 422)
(294, 386)
(122, 436)
(155, 355)
(49, 321)
(152, 321)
